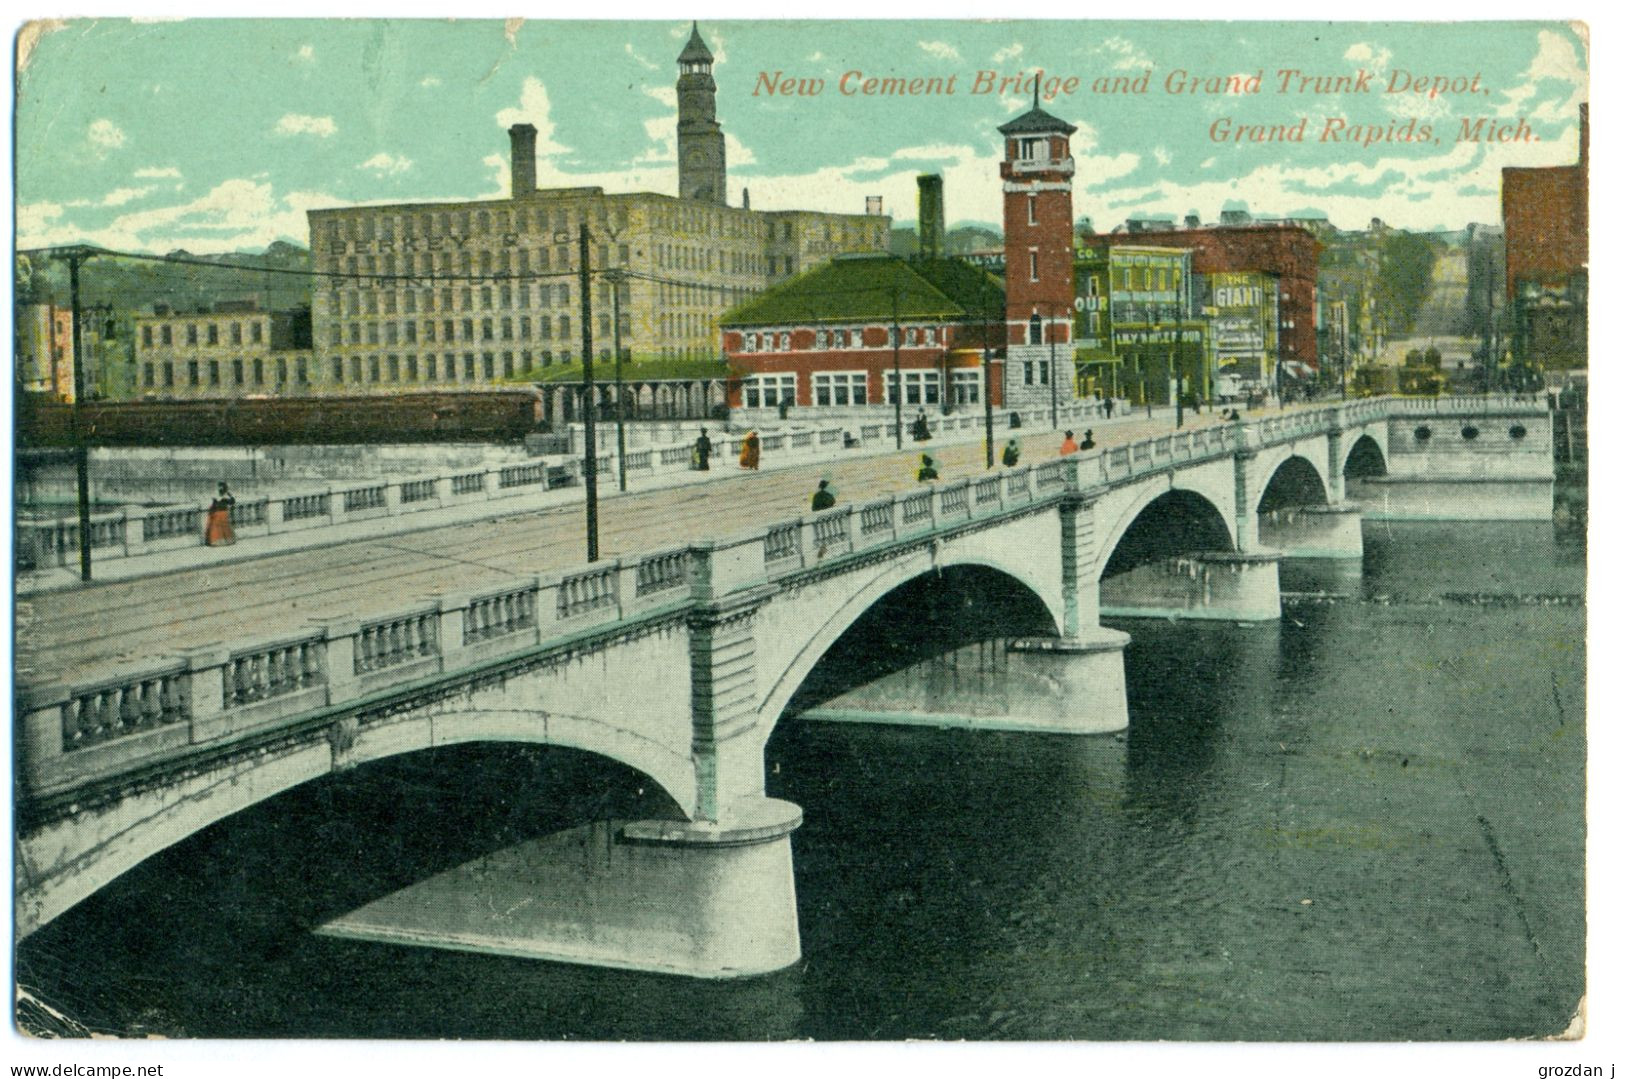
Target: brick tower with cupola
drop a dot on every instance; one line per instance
(702, 165)
(1038, 256)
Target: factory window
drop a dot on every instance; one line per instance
(281, 371)
(1032, 209)
(169, 373)
(1032, 264)
(372, 369)
(259, 372)
(214, 372)
(338, 370)
(411, 367)
(394, 362)
(237, 372)
(146, 338)
(214, 334)
(147, 374)
(236, 333)
(167, 336)
(191, 335)
(192, 378)
(304, 371)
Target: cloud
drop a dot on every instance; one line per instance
(385, 164)
(105, 135)
(1367, 54)
(166, 173)
(1162, 156)
(234, 215)
(1555, 62)
(298, 124)
(641, 59)
(535, 109)
(119, 196)
(940, 49)
(306, 54)
(1122, 54)
(1009, 52)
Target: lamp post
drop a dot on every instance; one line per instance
(987, 385)
(616, 279)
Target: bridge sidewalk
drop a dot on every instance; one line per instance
(250, 548)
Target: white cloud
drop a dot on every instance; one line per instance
(1555, 61)
(385, 164)
(298, 124)
(166, 173)
(940, 49)
(1367, 54)
(816, 57)
(641, 59)
(234, 215)
(737, 152)
(121, 195)
(306, 54)
(1009, 52)
(1122, 54)
(535, 109)
(105, 135)
(430, 81)
(1161, 154)
(1209, 163)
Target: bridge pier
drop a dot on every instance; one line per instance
(701, 899)
(1226, 586)
(1464, 498)
(1040, 685)
(1313, 531)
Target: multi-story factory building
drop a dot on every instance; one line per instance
(470, 293)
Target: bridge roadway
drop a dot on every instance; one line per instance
(100, 630)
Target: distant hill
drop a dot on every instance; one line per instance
(180, 279)
(963, 239)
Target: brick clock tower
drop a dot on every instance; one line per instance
(1038, 251)
(702, 167)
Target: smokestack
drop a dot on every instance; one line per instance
(522, 140)
(933, 227)
(746, 205)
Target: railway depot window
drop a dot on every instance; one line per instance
(919, 387)
(967, 387)
(767, 391)
(841, 388)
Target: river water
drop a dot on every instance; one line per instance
(1366, 822)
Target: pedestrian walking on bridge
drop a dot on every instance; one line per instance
(928, 469)
(217, 532)
(750, 454)
(702, 452)
(1068, 445)
(823, 498)
(1012, 453)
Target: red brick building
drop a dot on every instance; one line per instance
(1288, 252)
(825, 339)
(1547, 252)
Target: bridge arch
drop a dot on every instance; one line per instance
(1296, 481)
(132, 830)
(1365, 457)
(893, 577)
(1162, 522)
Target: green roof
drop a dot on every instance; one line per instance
(868, 288)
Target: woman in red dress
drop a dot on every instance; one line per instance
(217, 532)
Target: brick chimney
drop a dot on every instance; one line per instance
(522, 139)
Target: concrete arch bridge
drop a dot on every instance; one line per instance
(680, 662)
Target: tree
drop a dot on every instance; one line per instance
(1404, 272)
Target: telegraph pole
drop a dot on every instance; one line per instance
(74, 256)
(897, 367)
(1054, 409)
(615, 279)
(987, 384)
(590, 468)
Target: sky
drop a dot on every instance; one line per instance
(216, 135)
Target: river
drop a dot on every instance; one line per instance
(1365, 822)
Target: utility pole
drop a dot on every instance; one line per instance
(616, 278)
(1054, 408)
(987, 385)
(590, 467)
(897, 367)
(75, 256)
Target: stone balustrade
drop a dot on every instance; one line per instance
(74, 734)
